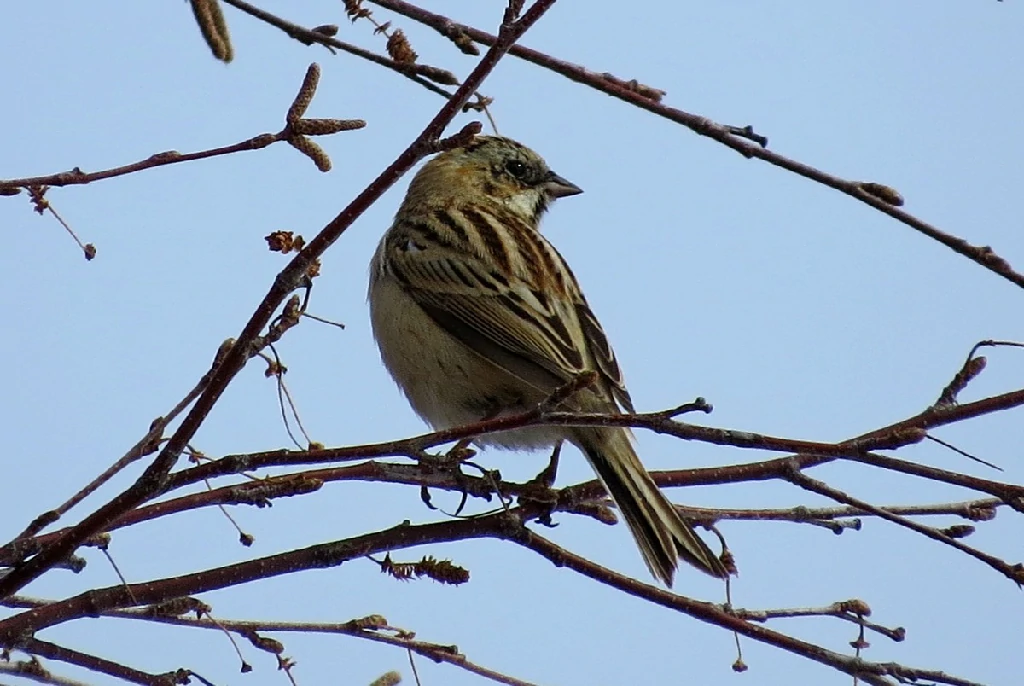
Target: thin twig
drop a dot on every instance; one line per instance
(506, 525)
(871, 672)
(726, 135)
(293, 131)
(33, 670)
(974, 510)
(145, 446)
(762, 470)
(1014, 572)
(309, 36)
(852, 611)
(373, 628)
(287, 281)
(93, 663)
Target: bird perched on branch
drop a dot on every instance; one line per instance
(476, 314)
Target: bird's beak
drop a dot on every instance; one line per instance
(557, 187)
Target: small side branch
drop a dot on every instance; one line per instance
(295, 132)
(876, 674)
(101, 665)
(1014, 572)
(740, 139)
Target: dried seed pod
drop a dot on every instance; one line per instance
(391, 678)
(354, 10)
(324, 127)
(305, 94)
(400, 49)
(312, 151)
(284, 241)
(213, 27)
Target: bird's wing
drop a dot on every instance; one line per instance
(603, 355)
(541, 331)
(498, 315)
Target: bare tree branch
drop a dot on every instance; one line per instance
(101, 665)
(729, 136)
(152, 479)
(295, 129)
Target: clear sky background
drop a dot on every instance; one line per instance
(795, 310)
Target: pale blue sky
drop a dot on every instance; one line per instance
(795, 310)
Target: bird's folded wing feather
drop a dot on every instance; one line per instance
(604, 356)
(534, 332)
(492, 316)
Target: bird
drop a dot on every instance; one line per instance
(477, 315)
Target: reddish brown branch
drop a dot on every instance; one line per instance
(726, 135)
(853, 611)
(869, 672)
(1011, 494)
(418, 73)
(373, 628)
(294, 132)
(33, 670)
(314, 557)
(576, 499)
(931, 418)
(506, 525)
(145, 446)
(287, 281)
(101, 665)
(125, 510)
(1014, 572)
(571, 496)
(400, 638)
(78, 177)
(753, 471)
(975, 510)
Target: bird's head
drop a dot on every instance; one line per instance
(494, 169)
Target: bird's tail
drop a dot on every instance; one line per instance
(661, 534)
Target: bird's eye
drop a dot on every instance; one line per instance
(517, 169)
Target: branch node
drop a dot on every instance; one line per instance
(460, 139)
(699, 404)
(970, 369)
(891, 440)
(958, 530)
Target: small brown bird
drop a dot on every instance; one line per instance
(476, 314)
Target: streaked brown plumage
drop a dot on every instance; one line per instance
(476, 313)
